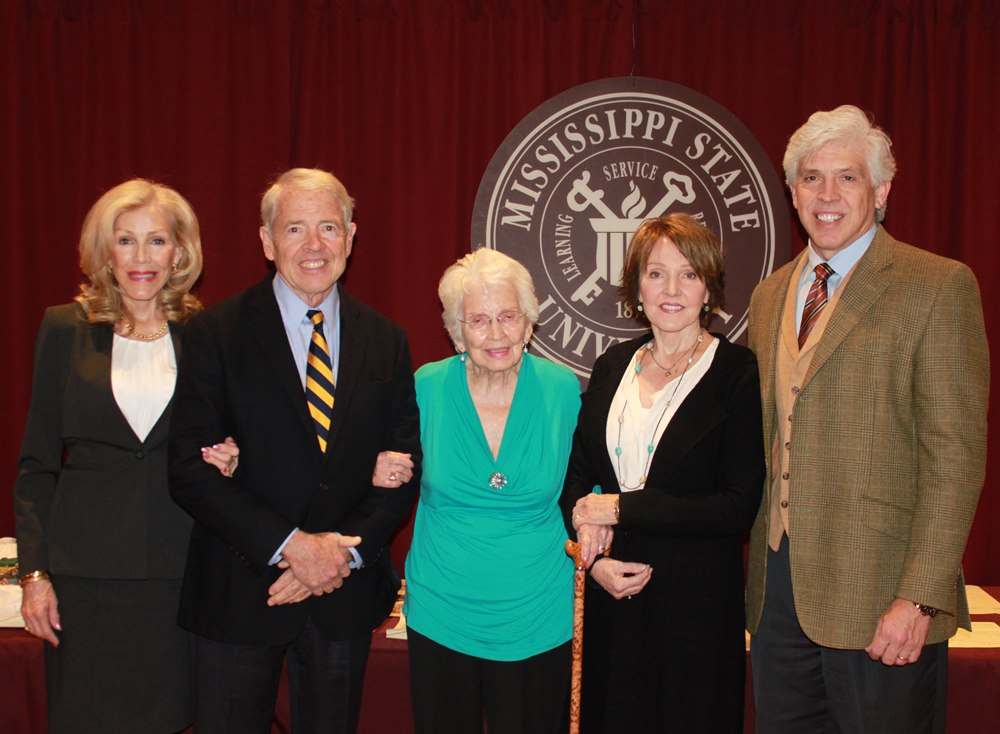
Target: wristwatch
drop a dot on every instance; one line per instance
(926, 610)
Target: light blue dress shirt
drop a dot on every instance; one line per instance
(299, 329)
(841, 263)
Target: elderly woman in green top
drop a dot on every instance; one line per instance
(489, 589)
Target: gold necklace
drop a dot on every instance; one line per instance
(130, 330)
(669, 370)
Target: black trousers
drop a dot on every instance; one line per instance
(237, 684)
(453, 693)
(801, 687)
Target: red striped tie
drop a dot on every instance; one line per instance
(815, 301)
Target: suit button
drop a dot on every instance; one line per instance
(789, 418)
(795, 390)
(785, 475)
(784, 504)
(788, 445)
(140, 454)
(324, 486)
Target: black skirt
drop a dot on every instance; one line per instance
(123, 664)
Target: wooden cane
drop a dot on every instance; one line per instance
(573, 550)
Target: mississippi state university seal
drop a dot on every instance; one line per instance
(573, 181)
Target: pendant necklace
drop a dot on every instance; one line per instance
(650, 446)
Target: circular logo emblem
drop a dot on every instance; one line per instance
(572, 182)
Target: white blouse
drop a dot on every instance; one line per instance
(633, 428)
(142, 380)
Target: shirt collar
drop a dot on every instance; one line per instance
(847, 258)
(293, 309)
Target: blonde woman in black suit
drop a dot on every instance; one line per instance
(101, 545)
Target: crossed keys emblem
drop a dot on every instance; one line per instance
(614, 232)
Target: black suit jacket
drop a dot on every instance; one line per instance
(239, 379)
(91, 499)
(675, 650)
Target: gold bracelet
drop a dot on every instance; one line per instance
(33, 577)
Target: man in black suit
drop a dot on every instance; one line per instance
(288, 556)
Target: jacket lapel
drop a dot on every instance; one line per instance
(353, 342)
(772, 307)
(265, 324)
(697, 415)
(102, 341)
(865, 287)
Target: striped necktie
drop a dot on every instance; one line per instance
(319, 380)
(815, 301)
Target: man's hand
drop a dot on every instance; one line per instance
(900, 634)
(287, 590)
(319, 560)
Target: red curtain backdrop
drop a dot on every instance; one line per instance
(406, 101)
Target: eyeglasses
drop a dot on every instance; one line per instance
(481, 322)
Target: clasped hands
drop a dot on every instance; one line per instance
(314, 564)
(593, 515)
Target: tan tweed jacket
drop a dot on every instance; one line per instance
(888, 445)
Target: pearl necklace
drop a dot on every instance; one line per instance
(650, 446)
(130, 330)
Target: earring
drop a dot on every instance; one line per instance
(705, 308)
(462, 357)
(639, 308)
(524, 347)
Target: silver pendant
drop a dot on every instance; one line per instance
(497, 481)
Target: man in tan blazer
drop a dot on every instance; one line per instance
(875, 382)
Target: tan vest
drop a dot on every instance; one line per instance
(791, 367)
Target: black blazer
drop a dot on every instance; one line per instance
(239, 379)
(91, 499)
(673, 655)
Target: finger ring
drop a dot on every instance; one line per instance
(577, 515)
(900, 657)
(600, 549)
(392, 477)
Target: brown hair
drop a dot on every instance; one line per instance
(696, 242)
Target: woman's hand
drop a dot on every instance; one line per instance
(223, 456)
(40, 610)
(392, 470)
(621, 579)
(595, 509)
(593, 540)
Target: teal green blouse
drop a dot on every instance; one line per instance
(486, 574)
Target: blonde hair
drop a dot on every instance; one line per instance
(100, 295)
